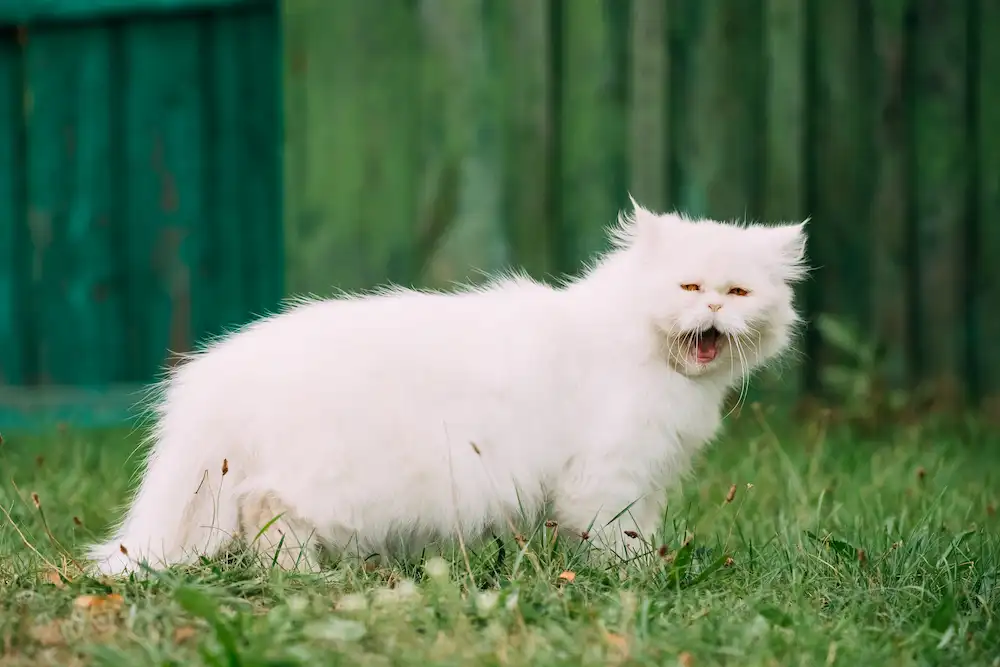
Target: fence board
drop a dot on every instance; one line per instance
(649, 121)
(523, 59)
(13, 323)
(987, 240)
(458, 232)
(259, 124)
(841, 155)
(592, 140)
(164, 132)
(940, 189)
(784, 151)
(891, 287)
(225, 288)
(78, 281)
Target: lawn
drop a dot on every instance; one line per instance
(835, 549)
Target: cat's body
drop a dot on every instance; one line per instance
(380, 422)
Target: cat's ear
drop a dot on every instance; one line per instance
(640, 226)
(788, 242)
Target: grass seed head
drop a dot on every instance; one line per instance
(921, 473)
(121, 547)
(551, 524)
(731, 494)
(225, 467)
(632, 534)
(77, 522)
(35, 499)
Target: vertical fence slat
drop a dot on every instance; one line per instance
(889, 217)
(649, 122)
(987, 296)
(941, 180)
(164, 131)
(722, 150)
(12, 324)
(592, 136)
(224, 293)
(840, 169)
(457, 229)
(356, 76)
(784, 153)
(259, 127)
(77, 279)
(521, 33)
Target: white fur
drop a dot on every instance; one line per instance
(383, 421)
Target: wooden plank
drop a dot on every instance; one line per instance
(39, 11)
(458, 233)
(721, 151)
(77, 281)
(240, 272)
(941, 180)
(219, 302)
(14, 367)
(987, 138)
(521, 38)
(51, 408)
(840, 157)
(649, 119)
(356, 197)
(260, 126)
(592, 127)
(784, 197)
(163, 89)
(891, 288)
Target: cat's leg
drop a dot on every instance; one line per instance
(614, 515)
(278, 535)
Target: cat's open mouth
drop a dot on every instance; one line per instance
(704, 346)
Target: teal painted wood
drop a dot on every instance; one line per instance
(12, 322)
(76, 291)
(592, 169)
(165, 136)
(259, 162)
(56, 408)
(34, 11)
(140, 198)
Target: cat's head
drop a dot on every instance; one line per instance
(719, 294)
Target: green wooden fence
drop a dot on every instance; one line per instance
(426, 137)
(140, 189)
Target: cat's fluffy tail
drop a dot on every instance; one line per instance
(184, 507)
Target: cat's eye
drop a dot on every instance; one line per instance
(739, 291)
(690, 287)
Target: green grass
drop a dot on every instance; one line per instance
(919, 503)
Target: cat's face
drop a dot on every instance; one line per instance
(720, 294)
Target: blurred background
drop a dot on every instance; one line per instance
(170, 168)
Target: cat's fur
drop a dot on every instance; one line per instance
(370, 422)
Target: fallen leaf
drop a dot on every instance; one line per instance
(568, 576)
(53, 577)
(183, 633)
(110, 602)
(616, 640)
(685, 659)
(49, 634)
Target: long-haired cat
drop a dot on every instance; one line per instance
(380, 421)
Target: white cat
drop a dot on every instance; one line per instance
(376, 423)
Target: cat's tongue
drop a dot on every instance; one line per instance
(708, 347)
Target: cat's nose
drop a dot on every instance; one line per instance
(715, 307)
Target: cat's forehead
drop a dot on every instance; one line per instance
(720, 257)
